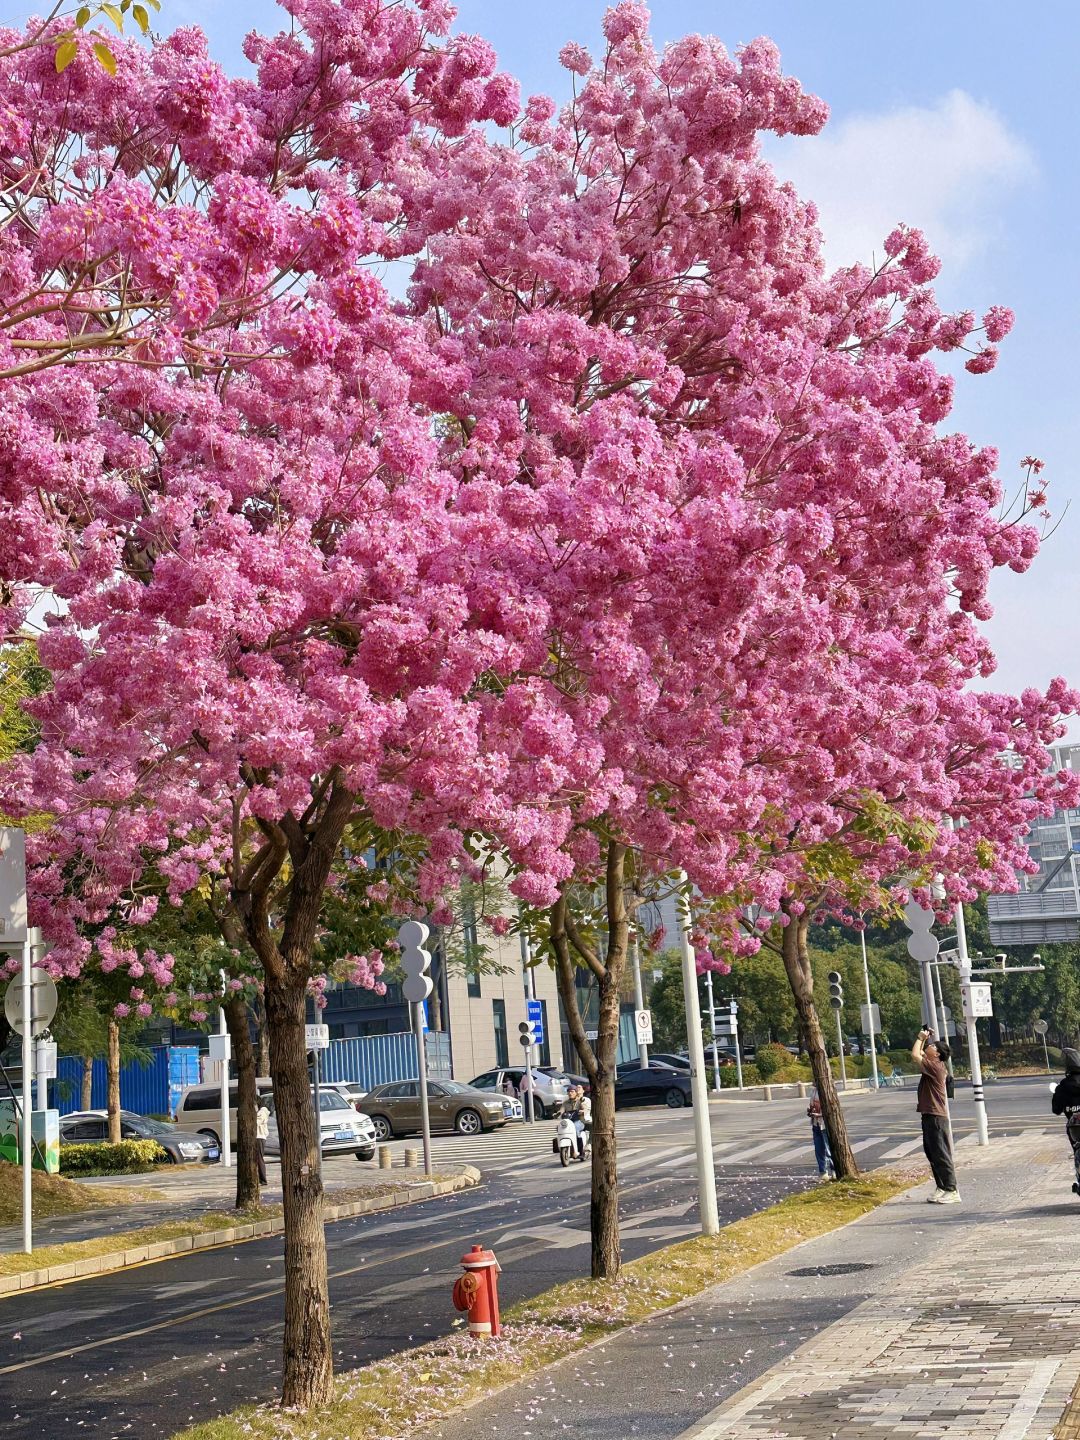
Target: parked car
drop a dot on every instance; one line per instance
(551, 1086)
(91, 1127)
(395, 1109)
(342, 1130)
(350, 1090)
(674, 1062)
(654, 1085)
(563, 1075)
(199, 1110)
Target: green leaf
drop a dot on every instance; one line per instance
(125, 6)
(83, 17)
(142, 19)
(155, 3)
(105, 56)
(114, 15)
(65, 54)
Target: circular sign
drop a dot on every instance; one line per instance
(42, 1002)
(1040, 1027)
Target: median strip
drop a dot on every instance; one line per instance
(397, 1396)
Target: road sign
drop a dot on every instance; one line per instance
(591, 1035)
(42, 1002)
(1040, 1027)
(415, 961)
(12, 886)
(870, 1015)
(316, 1037)
(643, 1026)
(977, 999)
(534, 1010)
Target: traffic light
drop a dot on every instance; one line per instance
(836, 990)
(527, 1034)
(415, 961)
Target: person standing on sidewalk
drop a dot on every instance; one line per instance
(930, 1055)
(1066, 1102)
(822, 1153)
(262, 1134)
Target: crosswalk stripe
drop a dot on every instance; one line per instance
(651, 1157)
(905, 1149)
(756, 1150)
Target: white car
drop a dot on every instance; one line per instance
(342, 1130)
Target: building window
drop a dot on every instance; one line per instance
(472, 948)
(502, 1049)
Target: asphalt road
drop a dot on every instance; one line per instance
(149, 1350)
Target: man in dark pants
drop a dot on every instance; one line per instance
(930, 1055)
(1066, 1101)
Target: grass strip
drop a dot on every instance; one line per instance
(397, 1396)
(57, 1195)
(41, 1259)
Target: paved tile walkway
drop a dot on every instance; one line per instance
(982, 1343)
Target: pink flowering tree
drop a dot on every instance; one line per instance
(734, 557)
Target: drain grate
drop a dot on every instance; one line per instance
(810, 1270)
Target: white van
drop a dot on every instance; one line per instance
(199, 1109)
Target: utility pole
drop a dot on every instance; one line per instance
(712, 1032)
(963, 960)
(869, 1007)
(639, 996)
(710, 1219)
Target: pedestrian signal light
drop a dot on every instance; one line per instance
(527, 1034)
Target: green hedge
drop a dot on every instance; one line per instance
(129, 1157)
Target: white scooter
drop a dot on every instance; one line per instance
(565, 1143)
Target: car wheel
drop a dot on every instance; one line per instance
(368, 1154)
(383, 1129)
(212, 1136)
(468, 1122)
(675, 1099)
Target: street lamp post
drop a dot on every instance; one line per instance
(710, 1219)
(869, 1008)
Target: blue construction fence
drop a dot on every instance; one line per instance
(151, 1089)
(155, 1088)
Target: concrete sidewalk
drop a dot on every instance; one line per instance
(956, 1323)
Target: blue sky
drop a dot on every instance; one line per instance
(959, 117)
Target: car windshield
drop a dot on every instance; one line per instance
(142, 1126)
(331, 1100)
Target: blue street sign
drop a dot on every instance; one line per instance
(534, 1013)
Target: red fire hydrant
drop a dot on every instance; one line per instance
(477, 1291)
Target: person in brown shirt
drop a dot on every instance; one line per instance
(930, 1055)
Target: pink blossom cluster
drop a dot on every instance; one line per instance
(633, 520)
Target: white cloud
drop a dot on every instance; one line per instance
(941, 168)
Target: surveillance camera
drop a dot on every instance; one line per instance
(1001, 957)
(1037, 958)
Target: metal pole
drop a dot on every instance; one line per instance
(982, 1127)
(226, 1108)
(421, 1060)
(710, 1220)
(869, 1009)
(712, 1031)
(315, 1091)
(942, 1022)
(531, 1056)
(639, 998)
(738, 1044)
(27, 1134)
(1046, 1053)
(840, 1042)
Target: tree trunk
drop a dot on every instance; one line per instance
(307, 1373)
(86, 1093)
(801, 978)
(112, 1095)
(262, 1039)
(247, 1161)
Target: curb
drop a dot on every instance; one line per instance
(232, 1235)
(755, 1094)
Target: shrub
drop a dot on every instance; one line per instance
(129, 1157)
(729, 1076)
(771, 1058)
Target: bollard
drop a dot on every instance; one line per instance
(802, 1090)
(767, 1092)
(386, 1159)
(412, 1158)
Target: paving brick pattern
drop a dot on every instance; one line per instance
(986, 1347)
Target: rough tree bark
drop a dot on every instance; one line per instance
(112, 1091)
(796, 956)
(262, 1039)
(86, 1090)
(284, 949)
(243, 1053)
(599, 1059)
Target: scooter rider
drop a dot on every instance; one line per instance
(581, 1114)
(1066, 1102)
